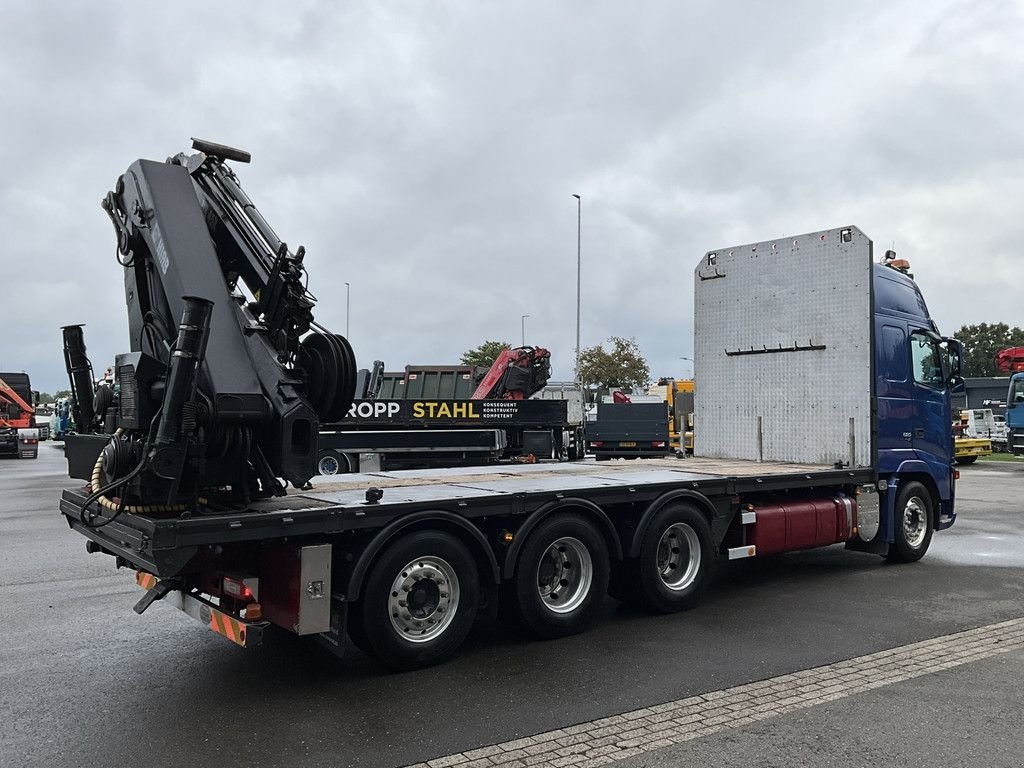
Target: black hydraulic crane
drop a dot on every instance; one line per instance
(229, 376)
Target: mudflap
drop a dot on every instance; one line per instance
(334, 639)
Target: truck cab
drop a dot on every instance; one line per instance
(914, 367)
(1015, 415)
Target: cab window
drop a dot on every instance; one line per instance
(925, 362)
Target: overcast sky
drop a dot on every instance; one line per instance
(427, 153)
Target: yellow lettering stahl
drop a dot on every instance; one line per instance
(434, 410)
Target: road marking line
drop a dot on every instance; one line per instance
(603, 741)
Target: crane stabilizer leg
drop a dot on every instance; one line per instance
(80, 375)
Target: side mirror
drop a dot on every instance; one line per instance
(952, 362)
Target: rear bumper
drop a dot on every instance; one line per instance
(972, 447)
(246, 634)
(630, 453)
(1015, 441)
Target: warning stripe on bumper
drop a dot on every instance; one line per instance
(224, 625)
(219, 622)
(145, 580)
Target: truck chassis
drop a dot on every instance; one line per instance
(501, 526)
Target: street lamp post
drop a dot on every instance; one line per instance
(691, 363)
(347, 304)
(579, 272)
(523, 321)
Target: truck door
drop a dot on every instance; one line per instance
(932, 429)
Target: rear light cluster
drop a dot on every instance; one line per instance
(246, 590)
(597, 444)
(658, 444)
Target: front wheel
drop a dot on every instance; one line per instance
(420, 601)
(914, 523)
(562, 576)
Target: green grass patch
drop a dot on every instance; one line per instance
(1001, 457)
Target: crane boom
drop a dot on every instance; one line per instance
(228, 376)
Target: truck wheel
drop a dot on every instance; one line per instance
(966, 460)
(676, 559)
(575, 444)
(562, 576)
(419, 601)
(913, 525)
(332, 463)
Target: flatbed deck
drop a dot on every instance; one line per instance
(331, 505)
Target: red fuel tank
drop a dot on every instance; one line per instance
(803, 524)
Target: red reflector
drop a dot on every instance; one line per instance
(658, 443)
(597, 444)
(956, 474)
(240, 589)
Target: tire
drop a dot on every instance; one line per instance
(576, 451)
(964, 460)
(676, 560)
(561, 576)
(915, 516)
(437, 570)
(332, 463)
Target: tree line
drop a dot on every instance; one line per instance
(619, 363)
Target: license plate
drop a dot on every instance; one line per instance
(627, 445)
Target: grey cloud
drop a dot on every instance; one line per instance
(427, 154)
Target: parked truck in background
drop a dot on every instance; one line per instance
(1015, 415)
(19, 437)
(973, 434)
(656, 423)
(439, 416)
(403, 563)
(1012, 361)
(629, 430)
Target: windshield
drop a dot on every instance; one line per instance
(1017, 391)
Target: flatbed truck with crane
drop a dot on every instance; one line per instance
(191, 491)
(441, 416)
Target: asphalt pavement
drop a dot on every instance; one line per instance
(84, 681)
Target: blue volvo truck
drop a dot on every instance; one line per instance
(822, 417)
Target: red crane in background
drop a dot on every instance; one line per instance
(515, 375)
(1010, 360)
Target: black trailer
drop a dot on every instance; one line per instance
(629, 430)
